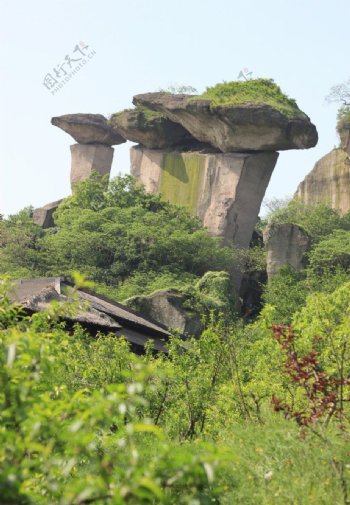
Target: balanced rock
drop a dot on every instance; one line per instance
(224, 190)
(234, 127)
(89, 129)
(328, 182)
(151, 129)
(286, 245)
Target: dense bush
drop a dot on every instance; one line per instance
(83, 420)
(120, 237)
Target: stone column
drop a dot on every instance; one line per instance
(87, 158)
(224, 190)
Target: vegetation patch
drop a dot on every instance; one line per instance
(257, 91)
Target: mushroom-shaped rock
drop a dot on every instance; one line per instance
(231, 119)
(151, 129)
(89, 129)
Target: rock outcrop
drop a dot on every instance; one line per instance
(43, 216)
(168, 307)
(236, 127)
(151, 129)
(328, 182)
(224, 190)
(286, 245)
(89, 129)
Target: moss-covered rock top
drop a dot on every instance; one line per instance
(257, 91)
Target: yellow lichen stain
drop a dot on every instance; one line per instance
(181, 179)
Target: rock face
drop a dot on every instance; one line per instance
(328, 182)
(286, 244)
(88, 129)
(241, 127)
(43, 216)
(89, 158)
(224, 190)
(167, 307)
(152, 130)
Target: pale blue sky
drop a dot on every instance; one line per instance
(146, 45)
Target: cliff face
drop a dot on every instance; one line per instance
(328, 182)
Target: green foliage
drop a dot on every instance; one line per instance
(318, 220)
(118, 236)
(343, 119)
(287, 292)
(331, 254)
(259, 91)
(84, 420)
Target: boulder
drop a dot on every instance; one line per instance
(151, 129)
(167, 306)
(224, 190)
(286, 245)
(88, 158)
(235, 127)
(328, 182)
(43, 216)
(89, 129)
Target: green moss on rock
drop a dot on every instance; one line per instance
(181, 179)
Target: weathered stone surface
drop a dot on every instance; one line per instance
(87, 158)
(286, 244)
(224, 190)
(328, 182)
(43, 216)
(167, 307)
(244, 127)
(154, 131)
(88, 129)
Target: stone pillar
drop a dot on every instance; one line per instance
(87, 158)
(224, 190)
(286, 245)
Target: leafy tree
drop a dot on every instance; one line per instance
(318, 220)
(115, 235)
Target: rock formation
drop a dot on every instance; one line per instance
(328, 182)
(286, 245)
(95, 136)
(168, 307)
(213, 153)
(88, 129)
(151, 129)
(223, 190)
(87, 158)
(237, 127)
(43, 216)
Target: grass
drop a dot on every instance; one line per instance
(259, 91)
